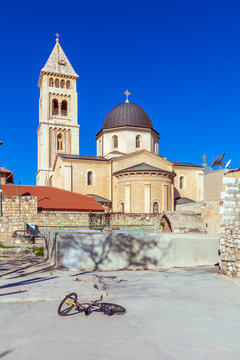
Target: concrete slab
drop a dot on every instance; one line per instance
(177, 314)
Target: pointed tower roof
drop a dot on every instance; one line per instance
(58, 63)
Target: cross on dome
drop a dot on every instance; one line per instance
(127, 93)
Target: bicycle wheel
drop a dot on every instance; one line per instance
(67, 304)
(111, 309)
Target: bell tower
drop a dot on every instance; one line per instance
(58, 130)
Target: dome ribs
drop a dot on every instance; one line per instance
(127, 114)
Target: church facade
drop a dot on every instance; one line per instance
(127, 174)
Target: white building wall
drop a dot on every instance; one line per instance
(58, 122)
(126, 141)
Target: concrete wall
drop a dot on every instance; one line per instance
(96, 251)
(230, 228)
(213, 185)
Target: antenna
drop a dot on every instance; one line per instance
(227, 166)
(218, 161)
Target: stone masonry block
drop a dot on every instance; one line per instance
(229, 204)
(222, 241)
(221, 210)
(228, 180)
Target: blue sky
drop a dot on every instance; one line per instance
(179, 59)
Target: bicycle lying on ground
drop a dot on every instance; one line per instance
(70, 302)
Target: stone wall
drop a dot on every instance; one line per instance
(230, 228)
(19, 210)
(210, 213)
(19, 205)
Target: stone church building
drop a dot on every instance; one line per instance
(127, 174)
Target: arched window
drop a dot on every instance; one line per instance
(51, 82)
(122, 207)
(68, 84)
(115, 142)
(55, 107)
(56, 83)
(155, 207)
(181, 182)
(100, 147)
(89, 178)
(59, 142)
(64, 108)
(138, 141)
(62, 84)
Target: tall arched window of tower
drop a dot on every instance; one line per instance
(181, 182)
(64, 108)
(51, 82)
(59, 142)
(155, 207)
(68, 84)
(89, 178)
(55, 107)
(62, 84)
(100, 147)
(56, 83)
(138, 141)
(122, 207)
(115, 142)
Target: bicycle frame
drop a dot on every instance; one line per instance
(87, 308)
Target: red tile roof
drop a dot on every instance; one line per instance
(51, 198)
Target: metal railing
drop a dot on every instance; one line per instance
(98, 228)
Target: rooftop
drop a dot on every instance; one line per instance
(143, 167)
(82, 157)
(51, 198)
(9, 174)
(58, 63)
(186, 164)
(127, 114)
(99, 199)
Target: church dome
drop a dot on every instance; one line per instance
(127, 114)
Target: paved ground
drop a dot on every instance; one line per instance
(182, 314)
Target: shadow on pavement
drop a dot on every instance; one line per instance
(14, 292)
(24, 267)
(5, 353)
(27, 282)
